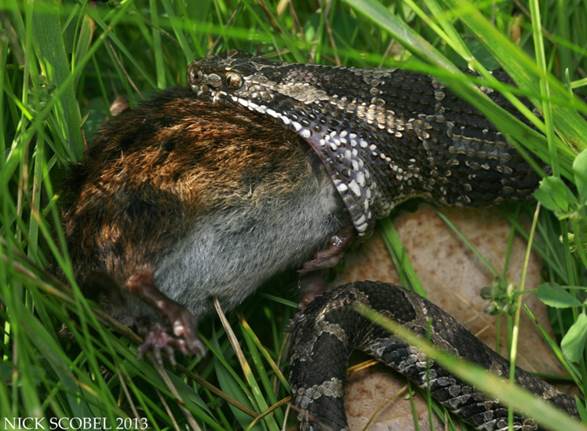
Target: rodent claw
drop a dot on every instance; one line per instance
(158, 340)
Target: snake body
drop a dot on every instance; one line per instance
(383, 135)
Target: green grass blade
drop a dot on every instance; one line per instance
(49, 42)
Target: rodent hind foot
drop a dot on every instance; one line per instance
(159, 342)
(182, 322)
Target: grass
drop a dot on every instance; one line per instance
(63, 63)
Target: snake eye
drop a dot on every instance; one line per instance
(195, 75)
(233, 80)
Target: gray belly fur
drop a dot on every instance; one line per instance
(230, 252)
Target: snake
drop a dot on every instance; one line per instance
(384, 136)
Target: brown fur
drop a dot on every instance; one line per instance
(153, 170)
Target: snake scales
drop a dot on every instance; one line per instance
(384, 136)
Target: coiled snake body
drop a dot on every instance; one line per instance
(330, 328)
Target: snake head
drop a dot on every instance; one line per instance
(218, 75)
(231, 74)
